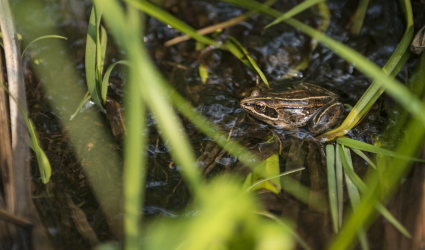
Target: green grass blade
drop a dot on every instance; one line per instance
(105, 82)
(353, 194)
(268, 168)
(364, 189)
(359, 17)
(292, 12)
(42, 160)
(99, 52)
(135, 145)
(303, 193)
(330, 162)
(373, 149)
(394, 88)
(169, 19)
(90, 61)
(86, 98)
(41, 38)
(103, 44)
(236, 48)
(362, 155)
(339, 185)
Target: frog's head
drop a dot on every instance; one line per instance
(260, 107)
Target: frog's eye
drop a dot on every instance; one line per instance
(260, 106)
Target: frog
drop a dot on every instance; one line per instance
(306, 104)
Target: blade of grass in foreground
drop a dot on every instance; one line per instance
(362, 155)
(394, 88)
(330, 162)
(135, 144)
(353, 194)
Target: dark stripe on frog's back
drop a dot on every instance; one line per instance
(307, 102)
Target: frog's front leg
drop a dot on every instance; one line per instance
(325, 118)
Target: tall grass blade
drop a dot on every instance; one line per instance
(40, 38)
(292, 12)
(339, 185)
(330, 162)
(353, 194)
(105, 82)
(373, 149)
(90, 61)
(135, 144)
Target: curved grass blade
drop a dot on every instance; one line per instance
(90, 61)
(236, 48)
(105, 82)
(292, 12)
(394, 88)
(330, 162)
(169, 19)
(86, 98)
(373, 149)
(354, 196)
(362, 155)
(41, 38)
(364, 189)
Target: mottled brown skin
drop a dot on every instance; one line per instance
(306, 104)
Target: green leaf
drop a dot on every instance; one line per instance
(90, 62)
(330, 162)
(240, 52)
(203, 73)
(292, 12)
(373, 149)
(339, 172)
(268, 168)
(41, 38)
(42, 160)
(167, 18)
(103, 44)
(105, 82)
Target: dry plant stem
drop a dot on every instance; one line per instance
(20, 138)
(5, 148)
(209, 29)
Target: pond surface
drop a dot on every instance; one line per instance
(276, 50)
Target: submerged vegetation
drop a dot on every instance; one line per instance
(272, 185)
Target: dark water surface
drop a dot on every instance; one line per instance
(275, 50)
